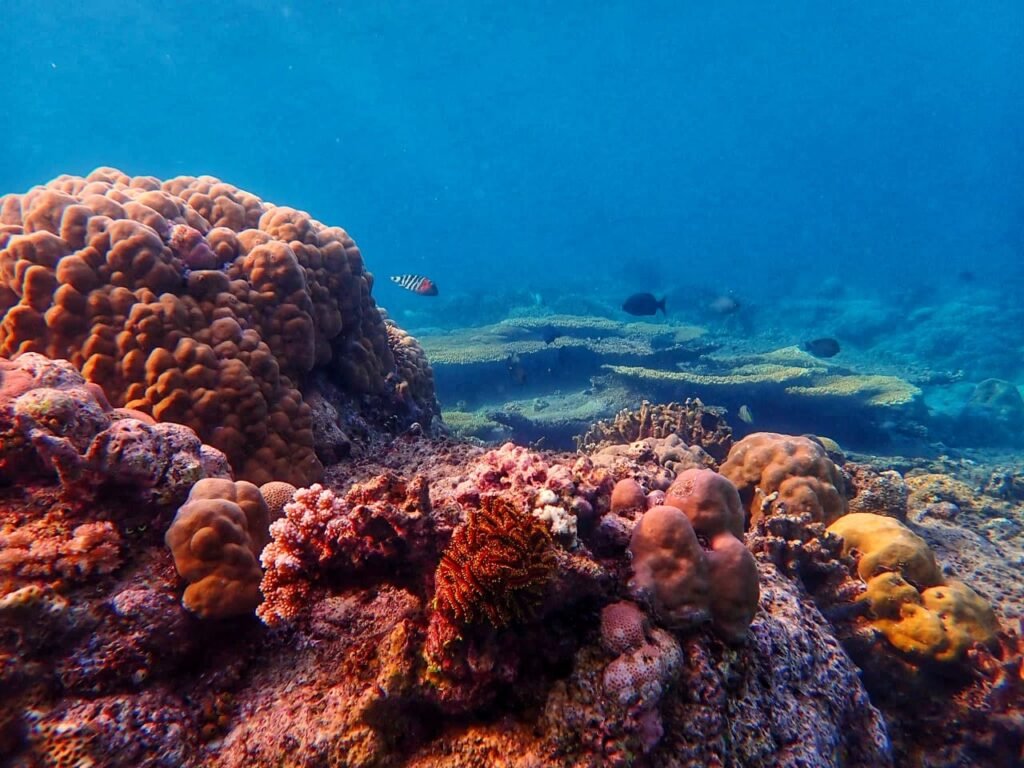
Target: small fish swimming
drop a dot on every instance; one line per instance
(824, 347)
(724, 305)
(644, 304)
(549, 334)
(745, 414)
(424, 286)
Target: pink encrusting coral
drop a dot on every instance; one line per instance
(375, 524)
(53, 424)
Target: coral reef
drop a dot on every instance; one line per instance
(277, 494)
(992, 415)
(799, 390)
(196, 303)
(436, 604)
(695, 423)
(216, 539)
(375, 524)
(590, 337)
(786, 472)
(763, 703)
(54, 425)
(882, 492)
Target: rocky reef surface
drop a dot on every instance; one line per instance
(673, 599)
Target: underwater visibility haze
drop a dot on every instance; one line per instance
(533, 384)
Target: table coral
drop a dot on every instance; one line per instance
(797, 469)
(216, 539)
(197, 303)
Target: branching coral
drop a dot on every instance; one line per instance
(694, 422)
(384, 522)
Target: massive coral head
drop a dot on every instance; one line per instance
(197, 303)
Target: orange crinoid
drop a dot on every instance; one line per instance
(497, 565)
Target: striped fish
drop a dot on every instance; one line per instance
(424, 286)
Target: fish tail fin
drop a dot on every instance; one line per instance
(661, 305)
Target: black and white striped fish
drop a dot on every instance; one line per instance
(424, 286)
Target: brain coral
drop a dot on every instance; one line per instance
(797, 468)
(194, 302)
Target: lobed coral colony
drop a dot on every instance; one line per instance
(196, 303)
(183, 584)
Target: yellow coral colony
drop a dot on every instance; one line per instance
(920, 613)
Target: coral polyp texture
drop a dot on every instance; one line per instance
(774, 471)
(197, 303)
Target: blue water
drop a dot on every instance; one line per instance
(569, 153)
(557, 144)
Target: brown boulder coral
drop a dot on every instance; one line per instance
(772, 470)
(216, 539)
(195, 302)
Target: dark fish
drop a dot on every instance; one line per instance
(550, 334)
(965, 276)
(424, 286)
(724, 305)
(824, 347)
(644, 304)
